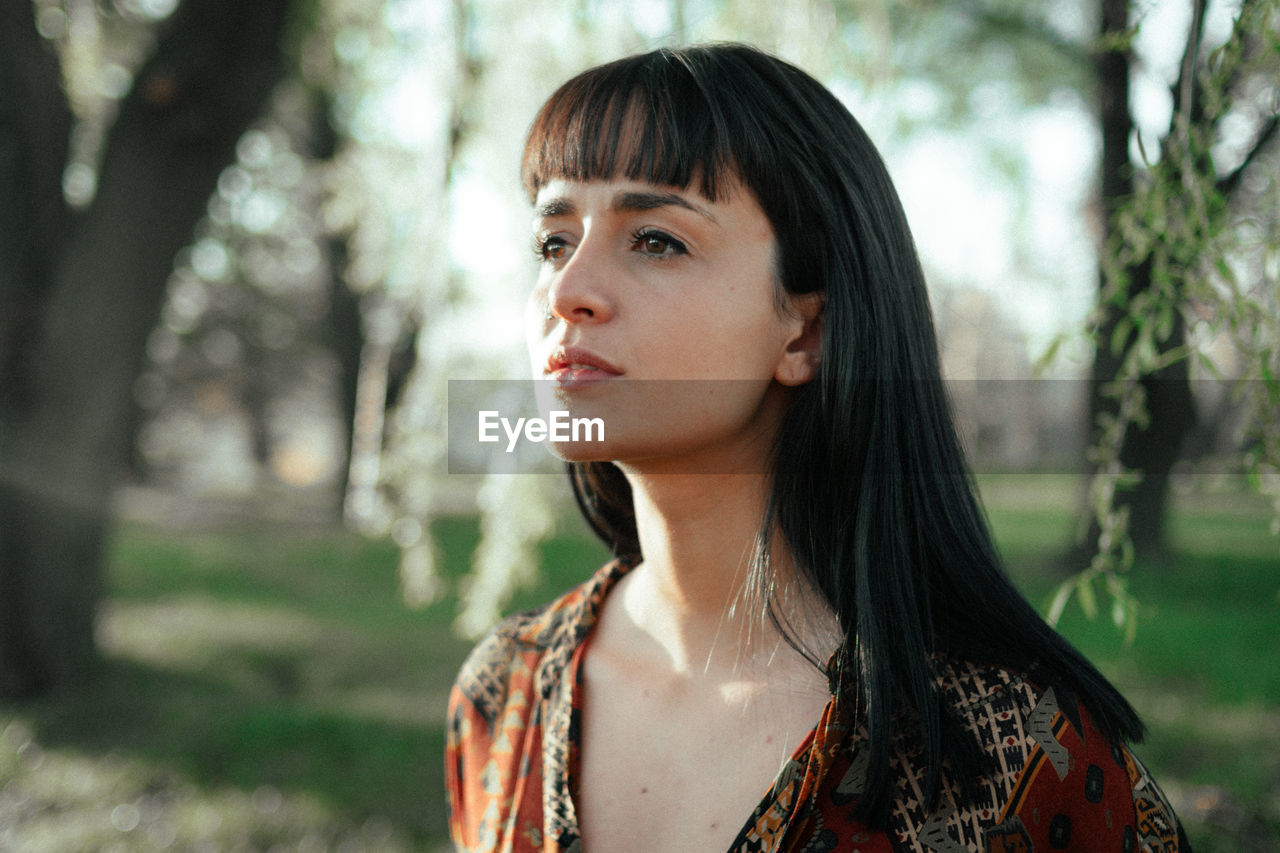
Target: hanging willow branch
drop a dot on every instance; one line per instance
(1198, 241)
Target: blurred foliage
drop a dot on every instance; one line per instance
(245, 324)
(1203, 229)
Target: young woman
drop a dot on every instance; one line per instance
(806, 641)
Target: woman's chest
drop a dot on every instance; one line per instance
(682, 769)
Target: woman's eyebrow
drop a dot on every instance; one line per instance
(559, 206)
(639, 200)
(627, 201)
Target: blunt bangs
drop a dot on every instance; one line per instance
(645, 118)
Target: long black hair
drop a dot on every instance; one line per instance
(869, 489)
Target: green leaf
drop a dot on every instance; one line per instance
(1207, 363)
(1131, 624)
(1120, 335)
(1088, 599)
(1164, 322)
(1119, 613)
(1224, 269)
(1050, 353)
(1059, 602)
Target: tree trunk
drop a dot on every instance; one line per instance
(1153, 450)
(64, 433)
(344, 324)
(35, 126)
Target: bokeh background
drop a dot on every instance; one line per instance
(245, 245)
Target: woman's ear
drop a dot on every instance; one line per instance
(803, 352)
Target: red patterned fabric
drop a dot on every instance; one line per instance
(1058, 783)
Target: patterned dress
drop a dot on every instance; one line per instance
(513, 739)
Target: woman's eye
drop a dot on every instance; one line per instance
(657, 244)
(550, 248)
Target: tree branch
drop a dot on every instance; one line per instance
(1112, 68)
(1002, 21)
(1185, 87)
(1230, 183)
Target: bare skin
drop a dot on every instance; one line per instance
(687, 718)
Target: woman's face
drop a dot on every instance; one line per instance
(641, 285)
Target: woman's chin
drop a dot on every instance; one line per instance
(579, 451)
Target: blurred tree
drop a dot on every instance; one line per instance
(80, 292)
(1169, 212)
(260, 338)
(1151, 257)
(1188, 223)
(1187, 230)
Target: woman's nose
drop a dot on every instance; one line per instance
(580, 291)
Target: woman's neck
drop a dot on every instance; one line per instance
(699, 534)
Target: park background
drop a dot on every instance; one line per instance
(244, 245)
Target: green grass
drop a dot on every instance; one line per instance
(273, 676)
(265, 687)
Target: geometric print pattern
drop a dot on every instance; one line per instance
(1056, 783)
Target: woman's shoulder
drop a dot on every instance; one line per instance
(1055, 777)
(528, 650)
(1025, 716)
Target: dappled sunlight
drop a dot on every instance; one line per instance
(393, 705)
(1252, 725)
(243, 703)
(70, 799)
(1192, 737)
(211, 761)
(196, 630)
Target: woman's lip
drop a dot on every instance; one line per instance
(575, 364)
(571, 375)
